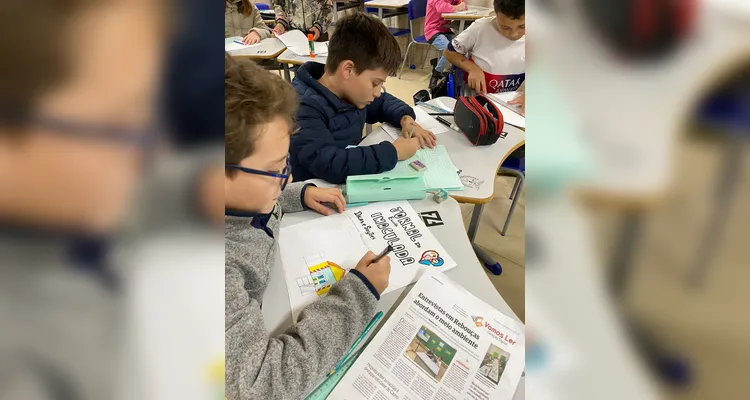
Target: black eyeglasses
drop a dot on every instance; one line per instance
(284, 175)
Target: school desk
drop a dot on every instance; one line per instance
(391, 5)
(268, 49)
(277, 312)
(288, 57)
(344, 5)
(478, 165)
(474, 14)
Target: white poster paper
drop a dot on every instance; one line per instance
(316, 254)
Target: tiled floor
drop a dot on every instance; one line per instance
(508, 250)
(708, 324)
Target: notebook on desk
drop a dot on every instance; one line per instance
(235, 43)
(441, 173)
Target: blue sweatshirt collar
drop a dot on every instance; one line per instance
(308, 75)
(84, 251)
(259, 221)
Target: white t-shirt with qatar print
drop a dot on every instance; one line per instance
(502, 60)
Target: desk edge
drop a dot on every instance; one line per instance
(474, 200)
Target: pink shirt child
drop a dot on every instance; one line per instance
(433, 20)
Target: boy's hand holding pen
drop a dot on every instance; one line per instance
(376, 268)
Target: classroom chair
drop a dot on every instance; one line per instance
(456, 85)
(396, 32)
(417, 9)
(517, 168)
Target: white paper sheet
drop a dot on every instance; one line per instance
(235, 43)
(424, 120)
(511, 114)
(429, 122)
(296, 41)
(313, 253)
(392, 131)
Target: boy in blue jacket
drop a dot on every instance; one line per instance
(338, 98)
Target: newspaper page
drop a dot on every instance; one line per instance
(441, 343)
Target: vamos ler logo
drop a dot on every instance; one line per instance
(480, 322)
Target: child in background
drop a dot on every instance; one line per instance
(260, 107)
(436, 28)
(308, 16)
(337, 99)
(492, 51)
(242, 18)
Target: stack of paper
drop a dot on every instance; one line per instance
(511, 113)
(298, 44)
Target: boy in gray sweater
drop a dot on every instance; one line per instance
(259, 110)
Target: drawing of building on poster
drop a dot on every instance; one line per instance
(320, 278)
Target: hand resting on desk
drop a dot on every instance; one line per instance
(315, 198)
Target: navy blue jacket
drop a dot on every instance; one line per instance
(328, 125)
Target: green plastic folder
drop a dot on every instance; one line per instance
(440, 172)
(324, 389)
(387, 186)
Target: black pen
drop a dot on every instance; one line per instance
(446, 123)
(382, 254)
(443, 121)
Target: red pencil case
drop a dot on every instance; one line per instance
(479, 119)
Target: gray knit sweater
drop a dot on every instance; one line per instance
(287, 366)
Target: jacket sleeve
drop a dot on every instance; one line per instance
(281, 17)
(258, 25)
(314, 148)
(390, 109)
(326, 7)
(292, 199)
(287, 366)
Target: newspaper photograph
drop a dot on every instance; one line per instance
(441, 343)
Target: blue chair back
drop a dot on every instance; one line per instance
(417, 9)
(262, 6)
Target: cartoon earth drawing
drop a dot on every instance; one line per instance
(431, 257)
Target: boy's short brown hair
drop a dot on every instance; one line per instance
(364, 40)
(252, 97)
(513, 9)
